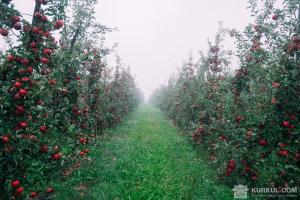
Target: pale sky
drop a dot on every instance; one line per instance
(156, 35)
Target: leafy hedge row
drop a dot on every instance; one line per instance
(247, 122)
(56, 96)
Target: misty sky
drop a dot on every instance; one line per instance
(156, 35)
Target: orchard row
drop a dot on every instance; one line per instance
(57, 93)
(247, 122)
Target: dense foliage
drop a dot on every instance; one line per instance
(57, 93)
(247, 122)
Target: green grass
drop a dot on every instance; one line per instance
(144, 158)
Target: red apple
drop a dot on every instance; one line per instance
(15, 183)
(29, 69)
(17, 84)
(38, 14)
(52, 82)
(275, 17)
(44, 18)
(20, 109)
(44, 60)
(47, 52)
(286, 124)
(25, 79)
(23, 124)
(283, 152)
(263, 142)
(35, 30)
(55, 148)
(43, 129)
(3, 32)
(15, 19)
(33, 194)
(39, 102)
(50, 190)
(22, 92)
(55, 156)
(44, 148)
(59, 23)
(17, 26)
(5, 139)
(10, 58)
(296, 39)
(20, 190)
(25, 61)
(33, 44)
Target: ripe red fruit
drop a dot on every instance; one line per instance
(44, 60)
(44, 18)
(37, 14)
(286, 124)
(292, 126)
(15, 183)
(44, 148)
(41, 32)
(82, 153)
(3, 32)
(282, 145)
(65, 91)
(47, 52)
(22, 92)
(25, 61)
(35, 30)
(20, 109)
(17, 84)
(82, 140)
(10, 58)
(86, 150)
(55, 148)
(231, 164)
(59, 23)
(5, 139)
(296, 39)
(25, 79)
(15, 19)
(17, 26)
(22, 71)
(283, 152)
(55, 156)
(39, 102)
(43, 129)
(17, 96)
(29, 69)
(275, 17)
(33, 194)
(46, 34)
(20, 190)
(33, 44)
(263, 142)
(275, 84)
(52, 82)
(23, 124)
(50, 190)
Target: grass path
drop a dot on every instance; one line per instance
(144, 158)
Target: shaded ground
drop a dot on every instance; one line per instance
(144, 158)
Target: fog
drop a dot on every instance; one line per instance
(156, 35)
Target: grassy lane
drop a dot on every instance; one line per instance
(144, 158)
